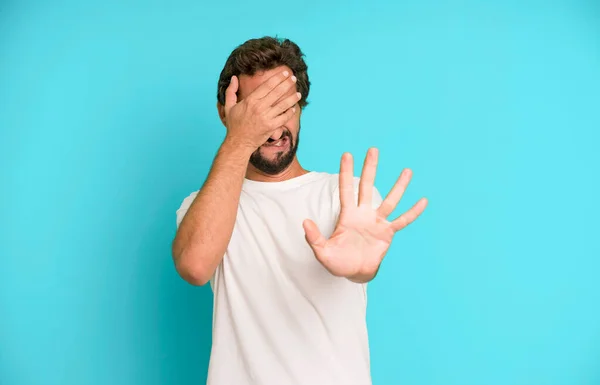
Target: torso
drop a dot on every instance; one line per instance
(279, 317)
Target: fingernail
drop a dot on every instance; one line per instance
(299, 95)
(294, 109)
(294, 79)
(285, 73)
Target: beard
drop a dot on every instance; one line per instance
(282, 159)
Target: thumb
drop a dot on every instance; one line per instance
(231, 93)
(313, 236)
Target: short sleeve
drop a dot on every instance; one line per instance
(185, 205)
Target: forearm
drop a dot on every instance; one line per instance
(206, 228)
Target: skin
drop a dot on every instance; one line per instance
(363, 235)
(247, 84)
(257, 108)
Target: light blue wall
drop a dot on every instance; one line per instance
(108, 119)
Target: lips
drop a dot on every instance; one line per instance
(281, 142)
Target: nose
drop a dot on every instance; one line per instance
(277, 134)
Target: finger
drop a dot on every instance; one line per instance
(409, 217)
(272, 82)
(313, 235)
(367, 179)
(289, 92)
(282, 119)
(391, 200)
(278, 91)
(231, 93)
(346, 181)
(284, 104)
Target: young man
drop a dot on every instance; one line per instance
(288, 252)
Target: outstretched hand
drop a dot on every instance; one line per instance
(363, 234)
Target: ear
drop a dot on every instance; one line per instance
(221, 110)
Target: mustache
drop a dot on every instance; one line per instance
(287, 133)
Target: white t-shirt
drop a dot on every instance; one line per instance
(279, 316)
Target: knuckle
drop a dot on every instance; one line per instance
(254, 106)
(270, 122)
(385, 206)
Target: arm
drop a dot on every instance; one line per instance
(206, 228)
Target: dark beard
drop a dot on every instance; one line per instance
(281, 162)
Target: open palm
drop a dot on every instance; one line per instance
(363, 234)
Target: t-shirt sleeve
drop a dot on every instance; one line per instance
(185, 205)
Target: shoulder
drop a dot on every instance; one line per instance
(334, 183)
(334, 180)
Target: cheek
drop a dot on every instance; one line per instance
(293, 125)
(294, 122)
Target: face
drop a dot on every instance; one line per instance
(274, 156)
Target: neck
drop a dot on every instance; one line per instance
(294, 170)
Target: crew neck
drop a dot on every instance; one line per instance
(254, 185)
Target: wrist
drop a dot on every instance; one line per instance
(233, 145)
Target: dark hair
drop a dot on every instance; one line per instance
(264, 54)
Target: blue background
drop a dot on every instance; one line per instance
(108, 120)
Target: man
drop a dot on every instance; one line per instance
(288, 252)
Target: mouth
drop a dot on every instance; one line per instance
(281, 143)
